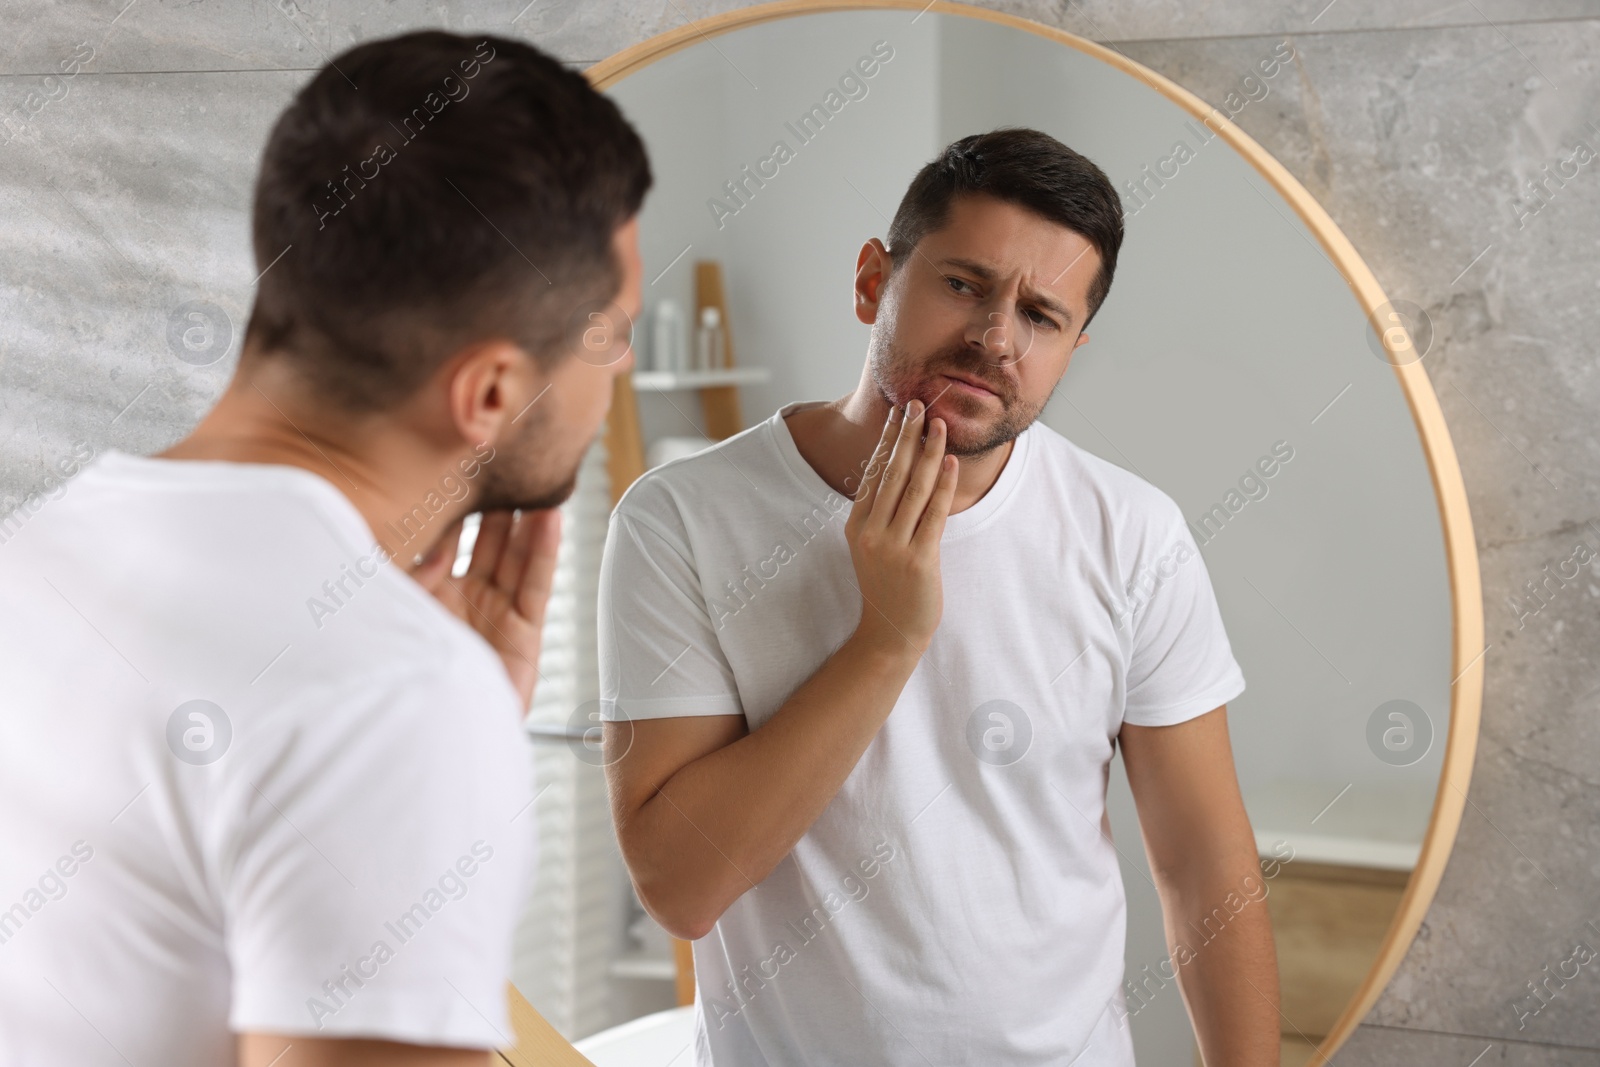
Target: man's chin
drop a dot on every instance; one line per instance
(498, 499)
(965, 422)
(969, 438)
(553, 499)
(968, 447)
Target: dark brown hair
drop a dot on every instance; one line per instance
(1024, 167)
(430, 190)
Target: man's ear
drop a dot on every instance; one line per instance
(485, 387)
(1073, 351)
(873, 267)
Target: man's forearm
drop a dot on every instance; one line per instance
(1230, 981)
(724, 821)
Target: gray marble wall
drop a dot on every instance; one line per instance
(128, 142)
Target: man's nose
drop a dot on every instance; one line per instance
(994, 332)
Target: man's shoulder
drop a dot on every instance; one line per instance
(1093, 480)
(269, 560)
(668, 493)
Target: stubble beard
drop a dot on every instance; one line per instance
(518, 476)
(902, 377)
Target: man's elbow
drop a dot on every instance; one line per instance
(692, 931)
(678, 908)
(684, 919)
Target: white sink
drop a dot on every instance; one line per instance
(660, 1040)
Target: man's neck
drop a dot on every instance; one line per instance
(838, 439)
(386, 480)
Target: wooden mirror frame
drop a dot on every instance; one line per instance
(538, 1042)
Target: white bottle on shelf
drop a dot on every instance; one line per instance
(666, 338)
(709, 353)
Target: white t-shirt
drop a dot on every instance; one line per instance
(959, 899)
(336, 852)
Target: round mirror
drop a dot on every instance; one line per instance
(1245, 362)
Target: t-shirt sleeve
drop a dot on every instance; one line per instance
(375, 852)
(658, 649)
(1181, 663)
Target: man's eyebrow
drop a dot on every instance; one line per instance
(1044, 300)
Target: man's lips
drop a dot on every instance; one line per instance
(969, 385)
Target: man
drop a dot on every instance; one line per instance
(263, 781)
(858, 752)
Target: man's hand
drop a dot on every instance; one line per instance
(506, 587)
(894, 528)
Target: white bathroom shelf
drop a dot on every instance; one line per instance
(1331, 819)
(1340, 851)
(666, 381)
(639, 965)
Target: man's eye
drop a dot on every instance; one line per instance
(955, 281)
(1045, 320)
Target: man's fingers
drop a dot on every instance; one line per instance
(897, 471)
(538, 577)
(921, 482)
(868, 490)
(493, 529)
(931, 527)
(514, 554)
